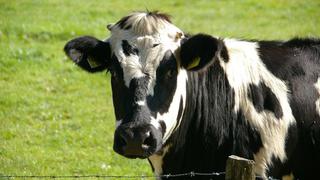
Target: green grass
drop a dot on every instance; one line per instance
(56, 119)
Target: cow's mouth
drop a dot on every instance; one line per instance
(135, 156)
(136, 152)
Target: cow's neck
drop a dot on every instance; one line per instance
(205, 128)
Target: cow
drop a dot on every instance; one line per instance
(187, 102)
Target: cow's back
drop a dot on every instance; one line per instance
(297, 62)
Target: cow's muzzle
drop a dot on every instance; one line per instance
(137, 141)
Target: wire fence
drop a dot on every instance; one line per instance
(236, 168)
(164, 176)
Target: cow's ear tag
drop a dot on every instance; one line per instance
(195, 62)
(93, 63)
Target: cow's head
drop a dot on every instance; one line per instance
(147, 76)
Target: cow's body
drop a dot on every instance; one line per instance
(211, 129)
(187, 103)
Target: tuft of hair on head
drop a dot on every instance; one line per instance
(148, 22)
(157, 15)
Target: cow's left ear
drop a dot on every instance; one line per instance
(89, 53)
(199, 51)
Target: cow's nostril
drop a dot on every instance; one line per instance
(148, 141)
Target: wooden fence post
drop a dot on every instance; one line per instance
(239, 168)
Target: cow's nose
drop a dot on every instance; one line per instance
(137, 142)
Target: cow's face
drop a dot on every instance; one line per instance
(147, 91)
(147, 84)
(148, 80)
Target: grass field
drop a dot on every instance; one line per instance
(56, 119)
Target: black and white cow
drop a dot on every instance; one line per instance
(188, 102)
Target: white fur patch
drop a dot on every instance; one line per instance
(155, 123)
(141, 103)
(317, 86)
(245, 67)
(170, 118)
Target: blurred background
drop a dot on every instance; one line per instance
(56, 119)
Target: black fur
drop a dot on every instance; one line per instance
(81, 49)
(128, 49)
(209, 130)
(224, 53)
(163, 127)
(200, 46)
(138, 88)
(120, 93)
(123, 23)
(264, 99)
(179, 112)
(135, 117)
(297, 63)
(166, 84)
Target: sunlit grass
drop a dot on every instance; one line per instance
(58, 120)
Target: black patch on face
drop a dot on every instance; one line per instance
(128, 49)
(120, 93)
(139, 87)
(166, 84)
(263, 98)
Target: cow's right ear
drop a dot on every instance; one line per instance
(89, 53)
(198, 51)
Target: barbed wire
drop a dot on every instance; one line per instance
(190, 174)
(164, 176)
